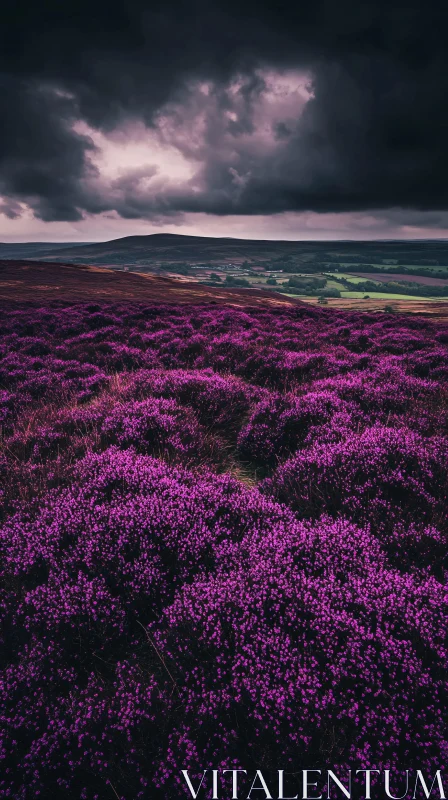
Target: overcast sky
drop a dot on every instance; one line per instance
(317, 119)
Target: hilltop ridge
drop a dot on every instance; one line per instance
(147, 252)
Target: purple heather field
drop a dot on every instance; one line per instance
(223, 544)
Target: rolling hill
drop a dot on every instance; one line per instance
(34, 249)
(162, 248)
(147, 253)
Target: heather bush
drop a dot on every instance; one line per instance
(156, 426)
(244, 603)
(8, 401)
(309, 619)
(393, 479)
(281, 424)
(386, 389)
(223, 542)
(218, 401)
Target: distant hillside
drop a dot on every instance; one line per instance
(34, 249)
(162, 248)
(147, 253)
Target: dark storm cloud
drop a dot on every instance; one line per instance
(42, 161)
(372, 136)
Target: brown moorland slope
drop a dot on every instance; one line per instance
(39, 282)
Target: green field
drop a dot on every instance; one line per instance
(259, 281)
(388, 296)
(362, 266)
(437, 272)
(352, 278)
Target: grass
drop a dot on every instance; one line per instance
(333, 283)
(438, 272)
(348, 277)
(387, 296)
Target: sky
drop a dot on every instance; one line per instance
(307, 120)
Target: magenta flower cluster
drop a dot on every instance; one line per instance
(223, 544)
